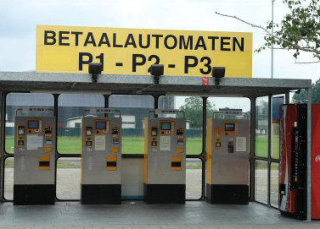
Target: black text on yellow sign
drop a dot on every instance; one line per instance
(132, 51)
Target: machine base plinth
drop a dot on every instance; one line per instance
(300, 216)
(101, 194)
(34, 194)
(227, 194)
(165, 193)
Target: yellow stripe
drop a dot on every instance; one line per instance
(48, 149)
(116, 150)
(176, 159)
(45, 158)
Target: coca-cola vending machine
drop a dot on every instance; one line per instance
(293, 161)
(316, 161)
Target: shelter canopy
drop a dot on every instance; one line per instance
(137, 84)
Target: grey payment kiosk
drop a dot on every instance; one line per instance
(165, 157)
(227, 180)
(101, 157)
(34, 156)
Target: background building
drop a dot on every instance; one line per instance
(72, 107)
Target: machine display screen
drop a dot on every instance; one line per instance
(229, 127)
(33, 124)
(101, 125)
(165, 126)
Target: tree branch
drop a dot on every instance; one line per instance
(246, 22)
(280, 39)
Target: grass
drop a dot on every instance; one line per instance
(130, 145)
(262, 146)
(69, 145)
(135, 145)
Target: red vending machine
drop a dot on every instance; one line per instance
(292, 179)
(293, 169)
(316, 162)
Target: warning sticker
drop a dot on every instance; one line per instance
(100, 143)
(165, 143)
(34, 141)
(241, 144)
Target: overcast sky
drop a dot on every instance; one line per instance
(18, 20)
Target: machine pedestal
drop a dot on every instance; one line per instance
(165, 193)
(101, 194)
(300, 215)
(34, 194)
(227, 194)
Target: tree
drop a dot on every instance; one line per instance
(263, 107)
(297, 31)
(193, 110)
(301, 96)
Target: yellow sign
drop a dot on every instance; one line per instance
(67, 49)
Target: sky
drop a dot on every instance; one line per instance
(20, 17)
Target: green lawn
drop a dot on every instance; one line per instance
(135, 145)
(69, 144)
(130, 145)
(262, 146)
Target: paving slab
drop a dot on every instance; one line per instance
(193, 214)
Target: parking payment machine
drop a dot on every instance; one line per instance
(165, 157)
(101, 157)
(34, 157)
(227, 179)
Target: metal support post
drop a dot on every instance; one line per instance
(204, 144)
(55, 114)
(2, 140)
(106, 101)
(252, 147)
(269, 146)
(272, 32)
(156, 101)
